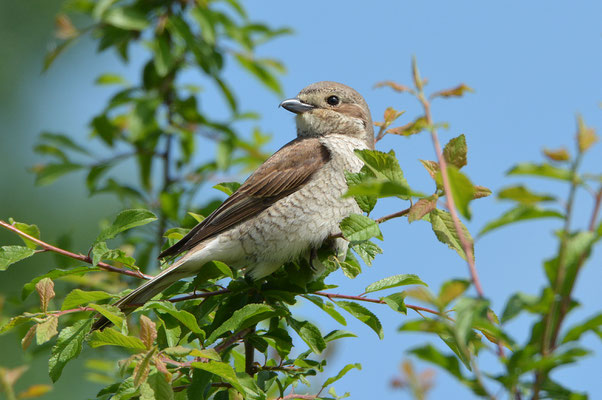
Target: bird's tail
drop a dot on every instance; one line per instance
(145, 292)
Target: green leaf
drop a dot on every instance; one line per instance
(227, 187)
(517, 303)
(309, 333)
(327, 307)
(451, 290)
(258, 69)
(462, 190)
(363, 314)
(376, 188)
(163, 58)
(341, 373)
(67, 347)
(444, 229)
(543, 170)
(242, 318)
(366, 203)
(111, 337)
(397, 302)
(338, 334)
(113, 314)
(429, 353)
(31, 230)
(125, 220)
(186, 318)
(221, 369)
(63, 142)
(394, 281)
(55, 52)
(350, 267)
(128, 18)
(54, 274)
(593, 324)
(12, 254)
(100, 252)
(367, 251)
(519, 213)
(14, 322)
(358, 227)
(586, 136)
(162, 389)
(46, 329)
(455, 151)
(110, 79)
(522, 194)
(467, 311)
(383, 166)
(46, 174)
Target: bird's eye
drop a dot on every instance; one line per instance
(333, 100)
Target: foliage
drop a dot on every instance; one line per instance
(199, 340)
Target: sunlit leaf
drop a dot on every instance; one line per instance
(519, 213)
(12, 254)
(394, 281)
(67, 347)
(363, 314)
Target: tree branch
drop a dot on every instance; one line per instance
(80, 257)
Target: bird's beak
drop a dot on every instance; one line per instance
(296, 106)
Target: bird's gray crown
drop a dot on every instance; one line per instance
(325, 108)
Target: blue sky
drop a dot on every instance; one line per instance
(533, 66)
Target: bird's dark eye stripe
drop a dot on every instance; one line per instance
(333, 100)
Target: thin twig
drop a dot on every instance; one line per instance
(358, 298)
(451, 206)
(80, 257)
(229, 341)
(293, 396)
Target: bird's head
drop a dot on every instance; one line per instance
(326, 108)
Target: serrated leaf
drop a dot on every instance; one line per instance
(341, 373)
(227, 187)
(383, 165)
(242, 318)
(221, 369)
(111, 337)
(46, 329)
(455, 151)
(13, 322)
(350, 267)
(28, 338)
(543, 170)
(148, 331)
(209, 354)
(309, 333)
(162, 389)
(327, 307)
(31, 230)
(12, 254)
(358, 227)
(418, 125)
(432, 167)
(113, 314)
(421, 208)
(367, 251)
(29, 287)
(45, 289)
(443, 227)
(517, 214)
(186, 318)
(397, 302)
(394, 281)
(67, 347)
(100, 252)
(363, 314)
(125, 220)
(142, 368)
(366, 203)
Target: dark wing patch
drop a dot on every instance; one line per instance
(283, 173)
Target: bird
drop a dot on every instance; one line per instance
(289, 206)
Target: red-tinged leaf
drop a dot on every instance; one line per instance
(457, 91)
(414, 127)
(27, 339)
(418, 82)
(481, 191)
(455, 151)
(586, 136)
(561, 154)
(64, 27)
(432, 167)
(395, 86)
(148, 331)
(421, 208)
(35, 391)
(47, 329)
(45, 289)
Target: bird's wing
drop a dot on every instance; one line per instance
(283, 173)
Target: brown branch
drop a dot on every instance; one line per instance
(197, 296)
(80, 257)
(359, 298)
(391, 216)
(229, 341)
(293, 396)
(249, 354)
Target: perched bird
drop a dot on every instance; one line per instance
(290, 205)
